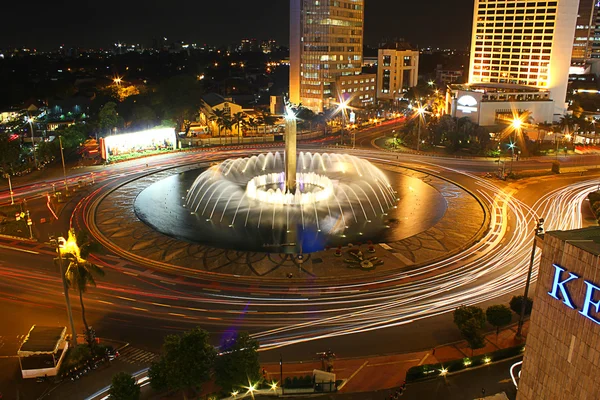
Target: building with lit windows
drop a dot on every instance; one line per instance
(357, 90)
(496, 104)
(585, 35)
(397, 70)
(326, 40)
(525, 43)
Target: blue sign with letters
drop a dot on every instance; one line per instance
(560, 291)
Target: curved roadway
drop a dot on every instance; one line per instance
(403, 311)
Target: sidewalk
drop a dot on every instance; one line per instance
(364, 378)
(385, 372)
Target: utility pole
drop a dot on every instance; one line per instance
(539, 229)
(66, 289)
(30, 120)
(281, 373)
(62, 156)
(12, 200)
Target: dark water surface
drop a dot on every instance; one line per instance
(161, 206)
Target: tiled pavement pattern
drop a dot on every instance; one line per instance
(463, 222)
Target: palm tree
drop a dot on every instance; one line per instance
(80, 274)
(267, 119)
(220, 118)
(567, 124)
(544, 127)
(238, 119)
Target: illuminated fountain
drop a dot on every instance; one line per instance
(333, 192)
(289, 195)
(275, 202)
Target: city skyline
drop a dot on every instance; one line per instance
(46, 28)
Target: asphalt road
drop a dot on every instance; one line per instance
(141, 309)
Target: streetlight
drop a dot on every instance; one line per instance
(117, 80)
(421, 114)
(342, 107)
(12, 200)
(512, 156)
(539, 230)
(31, 119)
(62, 156)
(61, 243)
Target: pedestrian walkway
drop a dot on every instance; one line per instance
(387, 372)
(133, 355)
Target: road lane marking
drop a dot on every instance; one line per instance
(139, 309)
(161, 305)
(353, 375)
(105, 302)
(393, 362)
(125, 298)
(423, 359)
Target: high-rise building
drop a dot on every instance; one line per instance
(585, 33)
(326, 39)
(525, 43)
(397, 70)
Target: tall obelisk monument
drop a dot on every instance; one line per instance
(290, 150)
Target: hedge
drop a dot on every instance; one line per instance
(298, 382)
(433, 370)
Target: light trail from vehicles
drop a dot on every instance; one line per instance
(493, 267)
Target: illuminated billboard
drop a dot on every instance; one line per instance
(138, 142)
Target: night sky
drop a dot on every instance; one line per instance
(46, 24)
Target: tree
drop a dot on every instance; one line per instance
(221, 118)
(567, 124)
(463, 314)
(471, 331)
(108, 117)
(80, 274)
(179, 99)
(470, 320)
(238, 364)
(123, 387)
(516, 304)
(238, 120)
(186, 363)
(143, 116)
(498, 315)
(10, 150)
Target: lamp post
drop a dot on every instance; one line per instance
(421, 114)
(62, 156)
(539, 230)
(31, 120)
(60, 244)
(281, 372)
(12, 200)
(342, 107)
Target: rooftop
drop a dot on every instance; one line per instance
(42, 339)
(213, 99)
(587, 239)
(496, 88)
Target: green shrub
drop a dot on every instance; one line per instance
(515, 305)
(433, 370)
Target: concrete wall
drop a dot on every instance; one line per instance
(562, 355)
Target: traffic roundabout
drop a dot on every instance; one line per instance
(162, 221)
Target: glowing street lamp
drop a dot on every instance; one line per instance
(421, 113)
(31, 120)
(342, 108)
(517, 123)
(117, 80)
